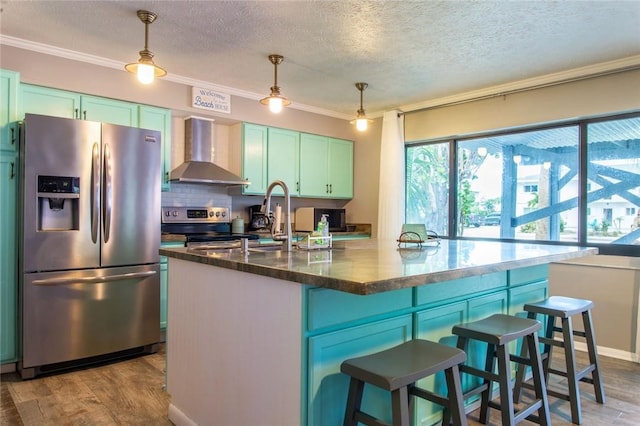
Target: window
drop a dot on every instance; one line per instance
(613, 150)
(534, 184)
(427, 187)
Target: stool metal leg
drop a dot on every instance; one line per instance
(354, 401)
(572, 379)
(593, 356)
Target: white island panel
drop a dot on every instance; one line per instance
(232, 339)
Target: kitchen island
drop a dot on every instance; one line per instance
(258, 337)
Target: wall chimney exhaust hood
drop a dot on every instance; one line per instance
(197, 167)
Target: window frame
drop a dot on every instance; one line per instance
(454, 142)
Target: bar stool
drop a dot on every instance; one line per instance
(396, 370)
(498, 331)
(564, 308)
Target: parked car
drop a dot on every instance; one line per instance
(492, 219)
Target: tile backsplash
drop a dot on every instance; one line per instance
(196, 195)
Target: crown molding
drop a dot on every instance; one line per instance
(117, 65)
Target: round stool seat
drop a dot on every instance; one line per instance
(559, 306)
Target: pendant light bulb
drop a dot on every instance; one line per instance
(361, 121)
(145, 73)
(275, 104)
(145, 68)
(275, 101)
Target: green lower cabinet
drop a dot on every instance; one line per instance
(164, 270)
(519, 296)
(8, 259)
(435, 324)
(327, 388)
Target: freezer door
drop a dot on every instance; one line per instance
(78, 314)
(130, 196)
(59, 229)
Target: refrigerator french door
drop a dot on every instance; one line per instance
(90, 240)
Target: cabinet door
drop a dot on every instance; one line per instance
(435, 324)
(327, 388)
(254, 158)
(283, 159)
(109, 111)
(340, 168)
(46, 101)
(314, 167)
(154, 118)
(164, 278)
(9, 110)
(8, 259)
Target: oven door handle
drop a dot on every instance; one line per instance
(93, 280)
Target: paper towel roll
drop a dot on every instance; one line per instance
(278, 217)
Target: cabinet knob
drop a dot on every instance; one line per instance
(327, 188)
(330, 188)
(13, 136)
(76, 113)
(84, 114)
(13, 172)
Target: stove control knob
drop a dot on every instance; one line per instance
(211, 213)
(224, 214)
(174, 213)
(217, 214)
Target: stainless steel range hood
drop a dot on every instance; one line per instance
(198, 167)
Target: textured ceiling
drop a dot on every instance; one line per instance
(408, 51)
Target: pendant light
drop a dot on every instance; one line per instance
(145, 68)
(275, 100)
(361, 120)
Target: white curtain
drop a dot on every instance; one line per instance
(392, 170)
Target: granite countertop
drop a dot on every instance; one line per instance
(374, 266)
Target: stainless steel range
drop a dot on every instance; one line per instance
(201, 225)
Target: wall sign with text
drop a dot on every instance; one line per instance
(210, 100)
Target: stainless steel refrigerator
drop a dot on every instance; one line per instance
(90, 282)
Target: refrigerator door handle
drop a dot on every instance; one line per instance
(95, 191)
(93, 280)
(108, 193)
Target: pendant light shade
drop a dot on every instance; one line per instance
(145, 68)
(275, 100)
(361, 121)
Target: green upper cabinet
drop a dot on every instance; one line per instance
(326, 167)
(283, 150)
(61, 103)
(9, 110)
(254, 158)
(46, 101)
(109, 111)
(340, 168)
(154, 118)
(311, 165)
(314, 167)
(8, 258)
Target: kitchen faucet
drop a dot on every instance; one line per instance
(266, 208)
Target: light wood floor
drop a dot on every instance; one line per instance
(130, 392)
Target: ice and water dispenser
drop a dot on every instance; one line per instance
(58, 203)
